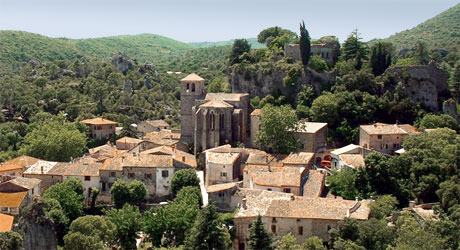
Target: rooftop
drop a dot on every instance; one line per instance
(275, 204)
(40, 167)
(138, 161)
(314, 185)
(275, 176)
(222, 157)
(98, 121)
(12, 200)
(346, 149)
(225, 96)
(388, 129)
(354, 160)
(6, 222)
(216, 104)
(177, 155)
(27, 183)
(220, 187)
(256, 112)
(164, 137)
(80, 169)
(192, 78)
(300, 158)
(17, 163)
(130, 140)
(310, 127)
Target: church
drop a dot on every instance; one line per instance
(209, 120)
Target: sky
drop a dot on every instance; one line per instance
(215, 20)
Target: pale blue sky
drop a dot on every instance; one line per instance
(215, 20)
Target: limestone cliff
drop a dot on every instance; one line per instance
(259, 81)
(423, 84)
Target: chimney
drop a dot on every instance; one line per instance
(244, 204)
(411, 204)
(41, 168)
(183, 158)
(292, 198)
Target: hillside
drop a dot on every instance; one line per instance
(253, 41)
(18, 47)
(441, 31)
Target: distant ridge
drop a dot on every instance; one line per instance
(253, 41)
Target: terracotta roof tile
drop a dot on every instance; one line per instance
(165, 137)
(40, 167)
(6, 222)
(256, 112)
(222, 157)
(128, 139)
(314, 185)
(225, 96)
(216, 104)
(27, 183)
(158, 123)
(18, 163)
(354, 160)
(192, 78)
(309, 127)
(98, 121)
(301, 158)
(383, 129)
(276, 176)
(12, 200)
(178, 155)
(220, 187)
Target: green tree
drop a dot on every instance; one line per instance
(240, 46)
(268, 35)
(421, 53)
(277, 125)
(439, 121)
(10, 241)
(449, 193)
(137, 191)
(374, 234)
(54, 141)
(288, 242)
(382, 206)
(207, 233)
(411, 236)
(354, 49)
(90, 232)
(342, 244)
(94, 193)
(218, 85)
(259, 238)
(342, 183)
(68, 195)
(305, 46)
(128, 223)
(454, 79)
(123, 192)
(380, 57)
(318, 64)
(184, 178)
(313, 243)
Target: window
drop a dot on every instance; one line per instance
(87, 178)
(303, 146)
(164, 173)
(365, 145)
(249, 226)
(188, 86)
(131, 175)
(328, 228)
(395, 146)
(213, 121)
(33, 191)
(269, 189)
(112, 174)
(223, 174)
(110, 185)
(287, 190)
(274, 229)
(98, 127)
(103, 187)
(221, 194)
(193, 87)
(300, 230)
(148, 176)
(110, 126)
(379, 137)
(274, 220)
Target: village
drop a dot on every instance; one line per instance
(217, 139)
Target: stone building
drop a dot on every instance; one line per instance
(214, 119)
(325, 51)
(48, 172)
(350, 156)
(127, 143)
(384, 138)
(100, 128)
(222, 166)
(16, 166)
(21, 184)
(148, 126)
(286, 213)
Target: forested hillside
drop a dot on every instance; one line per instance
(441, 31)
(253, 41)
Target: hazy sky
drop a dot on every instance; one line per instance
(215, 20)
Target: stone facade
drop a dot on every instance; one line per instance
(146, 127)
(213, 119)
(100, 128)
(317, 49)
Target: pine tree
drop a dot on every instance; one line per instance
(380, 58)
(305, 46)
(207, 232)
(353, 49)
(454, 80)
(259, 239)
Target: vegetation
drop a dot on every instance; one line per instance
(10, 241)
(258, 237)
(123, 192)
(90, 232)
(304, 44)
(128, 224)
(184, 178)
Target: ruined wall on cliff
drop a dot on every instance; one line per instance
(259, 81)
(424, 84)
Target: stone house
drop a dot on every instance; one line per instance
(222, 166)
(100, 128)
(17, 166)
(275, 177)
(384, 138)
(22, 184)
(325, 51)
(286, 213)
(47, 171)
(85, 169)
(300, 159)
(311, 135)
(180, 158)
(12, 202)
(213, 119)
(165, 137)
(221, 195)
(149, 126)
(351, 156)
(127, 143)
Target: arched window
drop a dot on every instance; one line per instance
(213, 121)
(193, 87)
(188, 86)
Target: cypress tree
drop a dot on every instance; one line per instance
(259, 239)
(305, 46)
(380, 57)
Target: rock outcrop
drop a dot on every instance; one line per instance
(423, 84)
(262, 83)
(449, 107)
(122, 62)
